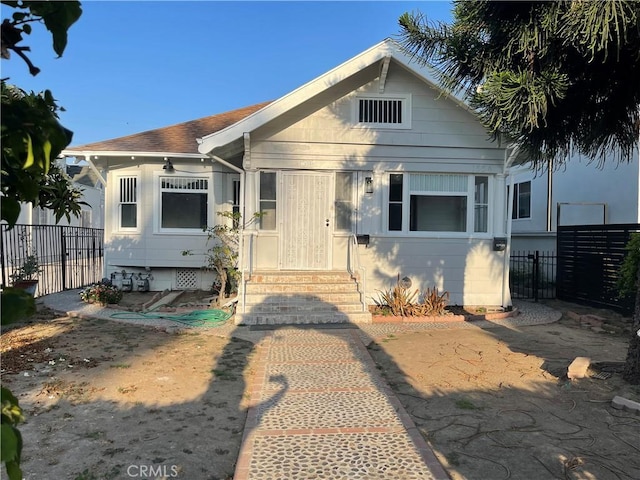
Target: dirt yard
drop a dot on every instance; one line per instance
(496, 403)
(108, 400)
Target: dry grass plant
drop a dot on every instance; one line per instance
(403, 302)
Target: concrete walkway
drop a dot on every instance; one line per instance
(318, 406)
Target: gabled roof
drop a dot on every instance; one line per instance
(383, 51)
(175, 139)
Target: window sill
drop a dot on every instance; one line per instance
(191, 232)
(438, 235)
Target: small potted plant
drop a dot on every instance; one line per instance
(26, 276)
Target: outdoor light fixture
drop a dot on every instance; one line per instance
(368, 185)
(168, 166)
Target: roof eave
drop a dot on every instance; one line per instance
(71, 152)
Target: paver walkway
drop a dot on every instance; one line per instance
(319, 410)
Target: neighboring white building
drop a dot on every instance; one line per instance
(371, 148)
(91, 215)
(581, 193)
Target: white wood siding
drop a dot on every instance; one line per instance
(146, 247)
(444, 137)
(470, 271)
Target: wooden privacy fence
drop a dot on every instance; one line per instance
(589, 260)
(69, 257)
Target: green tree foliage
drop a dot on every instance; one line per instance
(553, 77)
(31, 138)
(628, 279)
(223, 241)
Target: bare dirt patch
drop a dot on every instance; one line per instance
(496, 403)
(110, 400)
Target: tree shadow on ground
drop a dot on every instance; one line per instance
(486, 417)
(495, 402)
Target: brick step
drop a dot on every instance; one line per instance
(301, 277)
(286, 298)
(302, 288)
(254, 298)
(320, 318)
(302, 307)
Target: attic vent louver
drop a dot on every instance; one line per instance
(380, 111)
(388, 111)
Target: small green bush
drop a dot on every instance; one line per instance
(629, 269)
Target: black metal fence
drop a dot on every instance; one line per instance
(590, 257)
(69, 257)
(532, 275)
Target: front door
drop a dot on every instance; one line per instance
(306, 220)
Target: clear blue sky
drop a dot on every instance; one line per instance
(135, 66)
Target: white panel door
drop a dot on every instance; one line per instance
(306, 220)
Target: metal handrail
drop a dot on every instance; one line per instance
(353, 246)
(244, 278)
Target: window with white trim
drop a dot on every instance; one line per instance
(268, 200)
(456, 203)
(344, 201)
(128, 203)
(481, 205)
(383, 111)
(396, 195)
(521, 200)
(184, 202)
(235, 200)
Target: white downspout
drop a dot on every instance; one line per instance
(508, 161)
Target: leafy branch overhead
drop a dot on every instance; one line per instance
(31, 137)
(57, 17)
(554, 77)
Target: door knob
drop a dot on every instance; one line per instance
(326, 222)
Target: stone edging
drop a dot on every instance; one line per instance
(445, 318)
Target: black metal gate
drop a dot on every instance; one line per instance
(532, 275)
(69, 257)
(590, 257)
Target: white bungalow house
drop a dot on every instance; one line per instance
(363, 175)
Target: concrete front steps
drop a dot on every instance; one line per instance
(303, 297)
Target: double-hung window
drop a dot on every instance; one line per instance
(521, 200)
(184, 202)
(268, 200)
(420, 202)
(127, 203)
(344, 201)
(235, 202)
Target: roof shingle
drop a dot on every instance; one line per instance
(179, 138)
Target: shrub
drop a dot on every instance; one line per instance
(628, 274)
(399, 300)
(402, 302)
(101, 293)
(435, 303)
